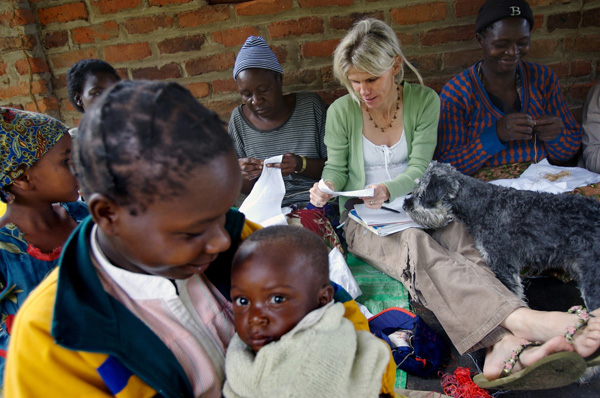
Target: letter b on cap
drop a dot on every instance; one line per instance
(515, 11)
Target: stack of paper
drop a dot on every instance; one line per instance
(384, 221)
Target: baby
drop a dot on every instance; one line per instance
(292, 338)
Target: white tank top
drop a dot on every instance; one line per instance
(383, 163)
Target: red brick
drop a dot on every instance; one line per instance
(331, 95)
(3, 67)
(296, 27)
(327, 74)
(43, 105)
(542, 48)
(460, 59)
(345, 22)
(420, 13)
(63, 13)
(18, 18)
(437, 82)
(561, 69)
(581, 68)
(303, 76)
(181, 44)
(168, 71)
(320, 48)
(325, 3)
(263, 7)
(591, 18)
(406, 39)
(281, 53)
(542, 3)
(29, 42)
(579, 91)
(10, 43)
(222, 108)
(127, 52)
(566, 20)
(425, 63)
(95, 33)
(224, 86)
(147, 24)
(66, 59)
(212, 63)
(39, 87)
(588, 43)
(199, 89)
(465, 8)
(59, 81)
(203, 16)
(112, 6)
(18, 90)
(234, 37)
(56, 39)
(448, 35)
(161, 3)
(37, 65)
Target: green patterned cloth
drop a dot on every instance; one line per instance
(379, 293)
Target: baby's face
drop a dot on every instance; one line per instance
(272, 290)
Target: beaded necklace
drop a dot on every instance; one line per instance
(398, 101)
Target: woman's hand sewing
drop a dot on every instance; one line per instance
(515, 126)
(251, 168)
(380, 195)
(289, 164)
(548, 127)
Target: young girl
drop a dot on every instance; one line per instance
(133, 309)
(40, 194)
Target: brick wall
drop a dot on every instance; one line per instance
(195, 44)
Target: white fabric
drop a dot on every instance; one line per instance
(339, 272)
(323, 356)
(383, 163)
(535, 178)
(263, 204)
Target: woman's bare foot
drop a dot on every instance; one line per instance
(545, 325)
(586, 340)
(500, 352)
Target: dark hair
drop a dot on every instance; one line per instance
(142, 139)
(77, 74)
(295, 238)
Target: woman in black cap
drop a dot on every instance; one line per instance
(503, 109)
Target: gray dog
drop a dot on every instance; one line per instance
(513, 228)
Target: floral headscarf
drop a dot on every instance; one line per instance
(24, 138)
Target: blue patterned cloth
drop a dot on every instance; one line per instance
(22, 268)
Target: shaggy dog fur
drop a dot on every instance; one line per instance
(513, 229)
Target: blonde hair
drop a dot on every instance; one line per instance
(370, 46)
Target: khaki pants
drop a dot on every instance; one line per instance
(445, 273)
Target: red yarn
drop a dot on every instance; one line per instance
(460, 385)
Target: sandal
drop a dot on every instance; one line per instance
(584, 316)
(555, 370)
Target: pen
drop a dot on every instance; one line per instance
(390, 209)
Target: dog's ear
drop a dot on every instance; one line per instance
(434, 192)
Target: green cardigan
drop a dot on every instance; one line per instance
(345, 166)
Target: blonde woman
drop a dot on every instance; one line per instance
(383, 135)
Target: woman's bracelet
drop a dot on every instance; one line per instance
(303, 165)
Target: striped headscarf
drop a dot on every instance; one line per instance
(255, 53)
(24, 138)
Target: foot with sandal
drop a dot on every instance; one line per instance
(545, 350)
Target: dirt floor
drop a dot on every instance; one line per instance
(543, 293)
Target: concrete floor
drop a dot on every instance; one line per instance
(543, 293)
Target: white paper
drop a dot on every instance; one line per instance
(263, 204)
(367, 192)
(339, 272)
(383, 216)
(535, 178)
